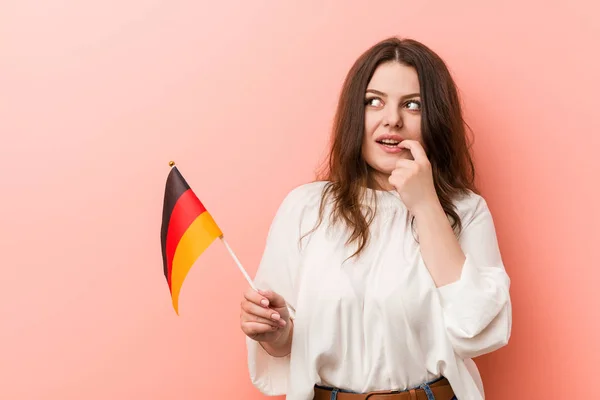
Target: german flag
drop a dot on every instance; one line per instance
(186, 232)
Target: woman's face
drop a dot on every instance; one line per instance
(392, 114)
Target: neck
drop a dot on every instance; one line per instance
(379, 181)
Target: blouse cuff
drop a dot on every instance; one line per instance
(268, 373)
(475, 299)
(468, 277)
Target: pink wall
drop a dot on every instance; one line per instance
(97, 97)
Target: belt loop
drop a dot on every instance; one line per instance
(428, 391)
(334, 393)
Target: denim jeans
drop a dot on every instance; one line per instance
(424, 386)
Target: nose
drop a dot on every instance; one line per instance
(392, 118)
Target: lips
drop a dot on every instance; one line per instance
(388, 143)
(389, 140)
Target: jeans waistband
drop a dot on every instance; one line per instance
(427, 389)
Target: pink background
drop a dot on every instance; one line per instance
(97, 97)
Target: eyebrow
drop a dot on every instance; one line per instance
(406, 96)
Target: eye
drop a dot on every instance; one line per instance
(413, 105)
(374, 101)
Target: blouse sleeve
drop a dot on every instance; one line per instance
(277, 271)
(477, 308)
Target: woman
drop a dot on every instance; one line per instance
(389, 262)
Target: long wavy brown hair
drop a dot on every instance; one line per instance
(442, 127)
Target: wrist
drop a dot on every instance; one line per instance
(429, 209)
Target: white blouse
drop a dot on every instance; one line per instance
(379, 322)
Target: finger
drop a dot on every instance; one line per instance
(255, 318)
(397, 177)
(415, 148)
(256, 328)
(259, 311)
(275, 299)
(255, 297)
(397, 182)
(404, 163)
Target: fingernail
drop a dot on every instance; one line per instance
(264, 302)
(282, 322)
(275, 316)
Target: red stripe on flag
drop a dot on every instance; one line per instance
(185, 211)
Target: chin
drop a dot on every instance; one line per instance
(384, 168)
(384, 164)
(389, 163)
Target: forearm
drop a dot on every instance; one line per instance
(440, 249)
(282, 346)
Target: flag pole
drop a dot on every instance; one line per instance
(237, 261)
(291, 309)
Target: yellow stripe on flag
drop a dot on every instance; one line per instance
(196, 239)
